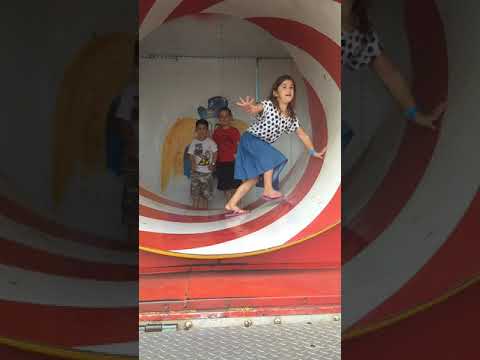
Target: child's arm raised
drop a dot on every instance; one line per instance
(249, 105)
(308, 143)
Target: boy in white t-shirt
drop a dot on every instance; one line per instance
(203, 155)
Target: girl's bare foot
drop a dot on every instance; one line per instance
(272, 195)
(234, 211)
(232, 208)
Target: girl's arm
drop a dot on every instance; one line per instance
(308, 143)
(400, 90)
(249, 105)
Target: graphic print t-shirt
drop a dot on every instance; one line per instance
(202, 152)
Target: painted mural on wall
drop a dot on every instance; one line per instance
(94, 78)
(174, 161)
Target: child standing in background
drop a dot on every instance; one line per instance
(203, 155)
(227, 138)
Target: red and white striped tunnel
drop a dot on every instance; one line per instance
(409, 238)
(411, 200)
(311, 34)
(65, 293)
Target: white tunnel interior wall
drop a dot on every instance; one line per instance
(174, 88)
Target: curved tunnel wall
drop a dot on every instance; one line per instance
(216, 61)
(313, 43)
(434, 206)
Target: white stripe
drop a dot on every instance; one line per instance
(32, 287)
(157, 15)
(35, 239)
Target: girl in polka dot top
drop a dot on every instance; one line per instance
(257, 161)
(361, 46)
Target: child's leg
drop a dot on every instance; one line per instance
(229, 194)
(240, 193)
(196, 202)
(196, 189)
(203, 203)
(207, 190)
(267, 185)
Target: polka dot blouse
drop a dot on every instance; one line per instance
(270, 124)
(359, 49)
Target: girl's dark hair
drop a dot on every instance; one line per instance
(360, 15)
(273, 99)
(227, 109)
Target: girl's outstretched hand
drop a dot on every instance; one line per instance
(248, 104)
(428, 120)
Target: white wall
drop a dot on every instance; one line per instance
(174, 88)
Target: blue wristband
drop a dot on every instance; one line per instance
(311, 152)
(411, 113)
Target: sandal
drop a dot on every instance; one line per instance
(269, 198)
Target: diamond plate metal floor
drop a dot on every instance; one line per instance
(315, 341)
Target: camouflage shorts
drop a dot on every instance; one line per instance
(201, 185)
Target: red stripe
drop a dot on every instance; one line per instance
(24, 257)
(68, 326)
(320, 252)
(144, 6)
(12, 353)
(316, 44)
(189, 7)
(430, 87)
(160, 199)
(316, 284)
(25, 216)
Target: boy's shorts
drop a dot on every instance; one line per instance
(201, 185)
